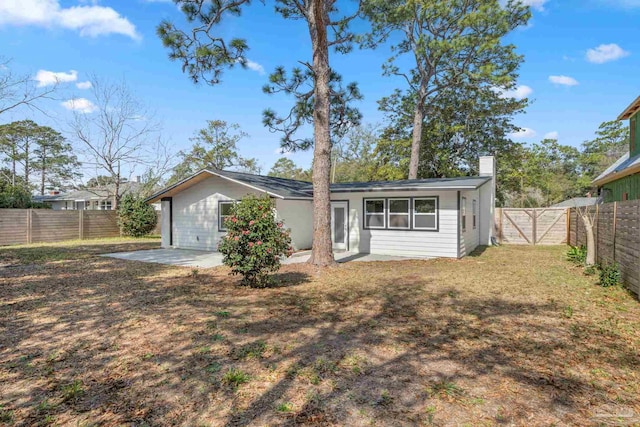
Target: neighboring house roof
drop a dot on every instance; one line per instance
(576, 202)
(630, 110)
(292, 189)
(96, 193)
(622, 167)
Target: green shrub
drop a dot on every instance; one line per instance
(136, 218)
(255, 241)
(17, 197)
(610, 275)
(577, 254)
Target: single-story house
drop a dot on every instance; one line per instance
(621, 181)
(444, 217)
(95, 198)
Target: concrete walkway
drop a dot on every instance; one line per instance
(205, 259)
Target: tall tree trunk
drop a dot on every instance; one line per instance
(13, 166)
(116, 195)
(416, 136)
(26, 163)
(322, 251)
(43, 172)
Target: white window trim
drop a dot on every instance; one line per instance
(221, 226)
(463, 213)
(407, 214)
(474, 210)
(434, 214)
(383, 214)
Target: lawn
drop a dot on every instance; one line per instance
(510, 336)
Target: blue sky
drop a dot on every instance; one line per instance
(581, 63)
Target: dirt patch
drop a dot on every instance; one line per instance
(514, 336)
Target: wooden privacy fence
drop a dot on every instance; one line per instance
(21, 226)
(617, 236)
(541, 226)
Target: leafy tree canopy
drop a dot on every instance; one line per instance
(215, 147)
(286, 168)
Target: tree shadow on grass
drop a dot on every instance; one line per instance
(152, 344)
(288, 279)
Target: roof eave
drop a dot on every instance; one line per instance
(614, 176)
(633, 108)
(377, 189)
(157, 196)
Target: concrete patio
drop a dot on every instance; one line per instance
(205, 259)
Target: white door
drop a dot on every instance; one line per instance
(339, 225)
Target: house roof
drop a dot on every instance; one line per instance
(277, 187)
(630, 110)
(97, 193)
(624, 166)
(576, 202)
(292, 189)
(461, 183)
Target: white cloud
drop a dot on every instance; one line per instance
(551, 135)
(84, 85)
(88, 20)
(523, 133)
(282, 153)
(81, 105)
(518, 92)
(606, 53)
(535, 4)
(49, 78)
(252, 65)
(563, 80)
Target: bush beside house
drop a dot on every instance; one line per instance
(255, 241)
(136, 218)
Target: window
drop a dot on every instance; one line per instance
(224, 211)
(463, 213)
(374, 213)
(473, 212)
(625, 197)
(105, 205)
(425, 213)
(399, 214)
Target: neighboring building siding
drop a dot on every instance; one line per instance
(58, 206)
(628, 184)
(297, 215)
(634, 127)
(470, 237)
(195, 212)
(441, 243)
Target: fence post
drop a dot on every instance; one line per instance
(29, 229)
(615, 220)
(499, 224)
(568, 214)
(80, 224)
(597, 231)
(534, 231)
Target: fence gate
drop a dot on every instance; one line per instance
(541, 226)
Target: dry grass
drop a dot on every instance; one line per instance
(511, 336)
